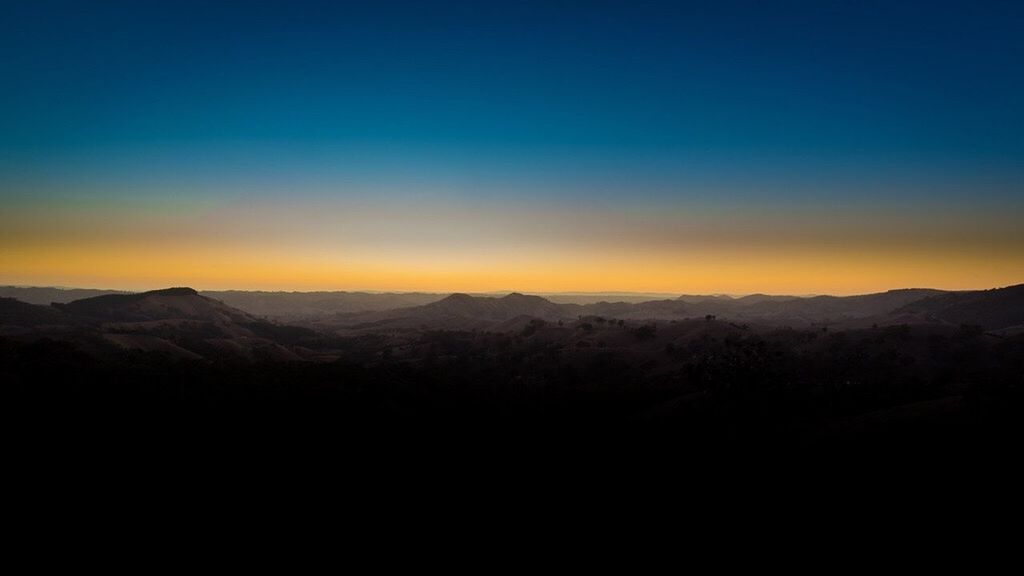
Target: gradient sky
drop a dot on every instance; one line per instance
(789, 147)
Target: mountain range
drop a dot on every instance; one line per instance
(306, 305)
(997, 309)
(176, 321)
(188, 323)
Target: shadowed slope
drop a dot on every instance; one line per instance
(463, 311)
(827, 308)
(174, 321)
(504, 308)
(993, 309)
(46, 296)
(298, 305)
(455, 312)
(16, 313)
(171, 303)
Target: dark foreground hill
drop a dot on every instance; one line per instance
(921, 366)
(514, 366)
(177, 322)
(685, 386)
(15, 313)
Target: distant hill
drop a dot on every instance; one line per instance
(992, 309)
(299, 305)
(171, 303)
(817, 309)
(476, 310)
(309, 305)
(696, 298)
(762, 308)
(455, 312)
(277, 305)
(596, 297)
(407, 311)
(46, 296)
(466, 312)
(176, 321)
(758, 298)
(185, 324)
(503, 308)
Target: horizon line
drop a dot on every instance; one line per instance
(504, 293)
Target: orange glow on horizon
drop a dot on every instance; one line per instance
(698, 271)
(449, 246)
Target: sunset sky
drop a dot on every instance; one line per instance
(733, 147)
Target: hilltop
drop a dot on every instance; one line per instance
(175, 321)
(170, 303)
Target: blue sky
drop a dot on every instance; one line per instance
(808, 83)
(677, 105)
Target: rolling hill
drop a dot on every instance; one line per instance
(22, 314)
(46, 296)
(455, 312)
(995, 309)
(370, 312)
(304, 305)
(466, 312)
(176, 321)
(167, 304)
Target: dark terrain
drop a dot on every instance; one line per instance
(906, 367)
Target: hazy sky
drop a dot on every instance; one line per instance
(538, 146)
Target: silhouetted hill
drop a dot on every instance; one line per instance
(167, 304)
(758, 298)
(466, 312)
(761, 308)
(992, 309)
(177, 322)
(46, 296)
(695, 298)
(16, 313)
(304, 305)
(693, 383)
(480, 311)
(595, 297)
(369, 312)
(454, 312)
(499, 309)
(819, 309)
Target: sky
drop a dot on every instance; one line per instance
(715, 147)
